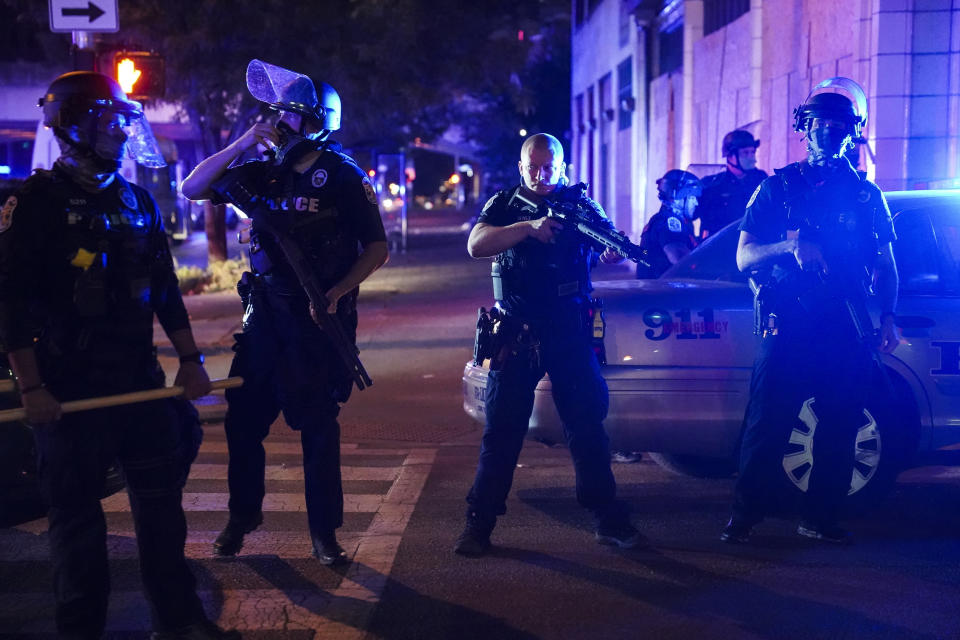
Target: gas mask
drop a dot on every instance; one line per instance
(293, 145)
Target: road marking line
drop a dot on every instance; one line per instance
(288, 502)
(220, 446)
(344, 613)
(295, 472)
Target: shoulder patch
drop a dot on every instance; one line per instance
(129, 200)
(319, 178)
(753, 198)
(674, 224)
(6, 214)
(369, 190)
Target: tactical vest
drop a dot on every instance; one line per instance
(838, 215)
(303, 206)
(113, 255)
(532, 278)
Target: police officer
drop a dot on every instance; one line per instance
(84, 266)
(668, 235)
(328, 205)
(542, 286)
(725, 194)
(814, 234)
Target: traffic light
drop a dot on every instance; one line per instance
(140, 74)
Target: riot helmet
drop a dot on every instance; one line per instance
(679, 190)
(829, 140)
(89, 112)
(285, 90)
(736, 140)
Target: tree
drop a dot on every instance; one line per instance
(405, 69)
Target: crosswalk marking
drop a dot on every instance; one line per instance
(343, 612)
(352, 503)
(294, 447)
(295, 472)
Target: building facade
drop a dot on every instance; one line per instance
(657, 83)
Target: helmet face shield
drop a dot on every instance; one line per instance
(678, 185)
(91, 109)
(833, 106)
(281, 88)
(288, 90)
(142, 145)
(126, 129)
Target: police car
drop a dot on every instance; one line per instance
(680, 349)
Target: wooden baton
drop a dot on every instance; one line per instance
(133, 397)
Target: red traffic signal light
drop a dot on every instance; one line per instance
(140, 74)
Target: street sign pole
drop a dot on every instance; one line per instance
(84, 57)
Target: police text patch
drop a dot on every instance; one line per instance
(753, 197)
(370, 191)
(6, 214)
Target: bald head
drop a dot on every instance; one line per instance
(542, 142)
(541, 163)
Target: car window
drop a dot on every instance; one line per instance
(715, 259)
(916, 252)
(946, 226)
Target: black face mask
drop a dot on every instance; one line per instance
(828, 142)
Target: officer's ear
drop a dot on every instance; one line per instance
(563, 174)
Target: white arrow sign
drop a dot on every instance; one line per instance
(83, 15)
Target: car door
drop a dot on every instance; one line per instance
(927, 252)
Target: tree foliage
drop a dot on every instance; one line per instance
(405, 69)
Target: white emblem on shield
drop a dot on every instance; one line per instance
(319, 178)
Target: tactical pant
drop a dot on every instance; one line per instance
(792, 367)
(289, 365)
(581, 397)
(75, 454)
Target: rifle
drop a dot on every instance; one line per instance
(583, 219)
(330, 323)
(831, 291)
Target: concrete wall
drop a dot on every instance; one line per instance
(754, 71)
(612, 160)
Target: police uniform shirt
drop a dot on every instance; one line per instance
(844, 214)
(724, 199)
(665, 227)
(86, 271)
(538, 277)
(328, 209)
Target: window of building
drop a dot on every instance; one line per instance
(625, 15)
(719, 13)
(579, 12)
(670, 37)
(671, 49)
(625, 100)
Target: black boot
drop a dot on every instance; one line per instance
(475, 539)
(230, 540)
(327, 550)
